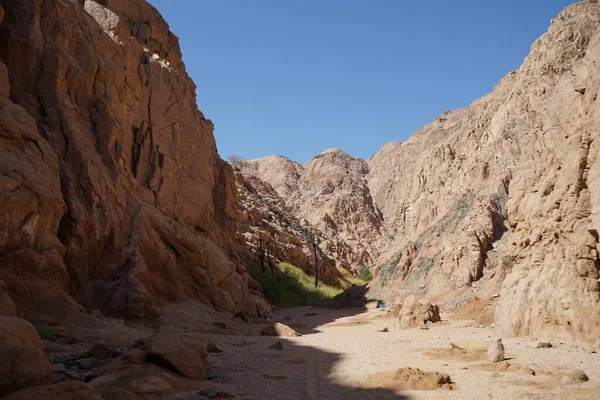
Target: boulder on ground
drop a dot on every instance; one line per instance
(22, 368)
(180, 352)
(414, 313)
(495, 352)
(100, 351)
(213, 348)
(73, 390)
(278, 329)
(7, 306)
(22, 360)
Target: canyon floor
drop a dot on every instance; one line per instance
(341, 355)
(341, 351)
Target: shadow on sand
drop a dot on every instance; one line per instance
(300, 371)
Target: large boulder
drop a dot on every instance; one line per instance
(74, 390)
(414, 313)
(180, 352)
(278, 329)
(22, 359)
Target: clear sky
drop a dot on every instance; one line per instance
(295, 77)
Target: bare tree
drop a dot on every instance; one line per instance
(236, 161)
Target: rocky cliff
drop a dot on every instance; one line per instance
(499, 198)
(508, 186)
(330, 192)
(112, 193)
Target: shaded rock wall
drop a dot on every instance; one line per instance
(114, 193)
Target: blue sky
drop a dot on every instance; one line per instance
(295, 77)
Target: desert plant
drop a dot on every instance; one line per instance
(46, 332)
(236, 161)
(364, 274)
(289, 286)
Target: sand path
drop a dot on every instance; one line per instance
(340, 348)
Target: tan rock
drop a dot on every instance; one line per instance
(278, 329)
(495, 352)
(61, 391)
(414, 313)
(183, 353)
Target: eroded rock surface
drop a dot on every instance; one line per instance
(112, 193)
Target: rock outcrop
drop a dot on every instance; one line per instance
(329, 193)
(112, 193)
(22, 359)
(504, 193)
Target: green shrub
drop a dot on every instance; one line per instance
(46, 332)
(289, 286)
(364, 274)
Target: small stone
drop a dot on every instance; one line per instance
(221, 325)
(543, 345)
(243, 315)
(135, 356)
(286, 318)
(386, 329)
(139, 344)
(213, 393)
(310, 314)
(580, 90)
(213, 348)
(56, 378)
(58, 368)
(277, 346)
(85, 363)
(100, 351)
(424, 327)
(96, 313)
(476, 326)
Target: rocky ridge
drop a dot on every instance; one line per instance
(499, 198)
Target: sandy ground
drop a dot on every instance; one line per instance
(339, 349)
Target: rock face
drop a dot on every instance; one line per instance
(505, 193)
(22, 359)
(270, 231)
(331, 194)
(112, 193)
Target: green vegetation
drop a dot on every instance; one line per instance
(46, 332)
(289, 286)
(499, 199)
(392, 236)
(365, 275)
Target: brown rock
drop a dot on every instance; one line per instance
(22, 368)
(180, 352)
(135, 356)
(213, 348)
(60, 391)
(7, 306)
(277, 346)
(409, 379)
(278, 329)
(100, 351)
(126, 208)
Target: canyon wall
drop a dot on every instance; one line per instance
(112, 193)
